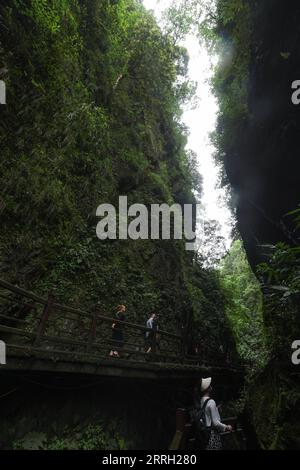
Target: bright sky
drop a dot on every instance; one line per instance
(201, 121)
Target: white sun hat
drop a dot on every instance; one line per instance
(205, 383)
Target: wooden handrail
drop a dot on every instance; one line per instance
(93, 331)
(180, 427)
(182, 437)
(176, 441)
(79, 312)
(22, 292)
(45, 316)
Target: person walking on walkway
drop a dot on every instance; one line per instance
(118, 331)
(151, 336)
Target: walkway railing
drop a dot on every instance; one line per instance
(32, 323)
(35, 325)
(185, 439)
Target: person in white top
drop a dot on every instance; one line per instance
(212, 416)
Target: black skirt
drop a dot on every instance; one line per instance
(117, 338)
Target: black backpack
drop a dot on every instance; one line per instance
(202, 432)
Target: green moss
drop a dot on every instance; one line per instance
(93, 114)
(273, 402)
(87, 437)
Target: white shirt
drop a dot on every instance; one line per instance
(212, 415)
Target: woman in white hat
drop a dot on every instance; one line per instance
(212, 416)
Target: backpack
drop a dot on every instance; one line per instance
(202, 432)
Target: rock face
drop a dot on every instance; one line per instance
(273, 407)
(263, 165)
(92, 113)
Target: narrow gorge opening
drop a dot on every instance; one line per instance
(189, 107)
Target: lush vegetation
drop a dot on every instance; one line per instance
(88, 437)
(275, 393)
(95, 92)
(281, 280)
(249, 123)
(226, 28)
(244, 306)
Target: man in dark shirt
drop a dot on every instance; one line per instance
(151, 335)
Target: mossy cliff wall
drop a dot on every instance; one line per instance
(93, 112)
(258, 142)
(273, 404)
